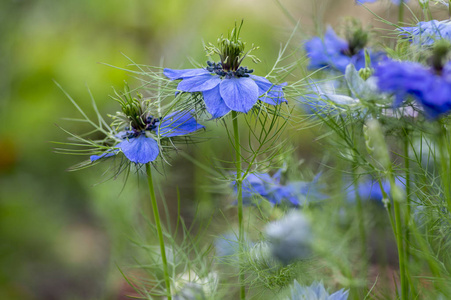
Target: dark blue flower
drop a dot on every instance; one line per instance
(426, 33)
(336, 53)
(431, 88)
(316, 291)
(140, 145)
(226, 90)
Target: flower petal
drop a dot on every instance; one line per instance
(199, 83)
(239, 94)
(104, 155)
(178, 123)
(273, 94)
(140, 149)
(214, 103)
(181, 74)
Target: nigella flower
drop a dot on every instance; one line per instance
(426, 33)
(290, 238)
(143, 133)
(370, 190)
(294, 193)
(431, 87)
(316, 291)
(336, 53)
(227, 86)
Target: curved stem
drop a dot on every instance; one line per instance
(156, 215)
(239, 185)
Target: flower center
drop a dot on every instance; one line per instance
(151, 123)
(219, 70)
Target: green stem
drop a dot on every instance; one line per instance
(401, 252)
(397, 230)
(401, 13)
(239, 185)
(408, 200)
(156, 215)
(444, 163)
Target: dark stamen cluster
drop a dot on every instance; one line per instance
(151, 123)
(218, 69)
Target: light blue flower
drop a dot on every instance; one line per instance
(226, 90)
(140, 145)
(316, 291)
(290, 238)
(426, 33)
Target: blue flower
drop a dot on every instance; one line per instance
(225, 90)
(295, 193)
(370, 190)
(316, 291)
(426, 33)
(336, 53)
(140, 145)
(290, 238)
(431, 88)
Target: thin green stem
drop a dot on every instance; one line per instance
(444, 163)
(401, 252)
(408, 198)
(397, 230)
(401, 13)
(239, 185)
(156, 215)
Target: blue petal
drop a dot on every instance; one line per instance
(106, 154)
(199, 83)
(140, 149)
(239, 94)
(181, 74)
(178, 123)
(214, 103)
(273, 93)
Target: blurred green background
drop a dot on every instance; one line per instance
(62, 235)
